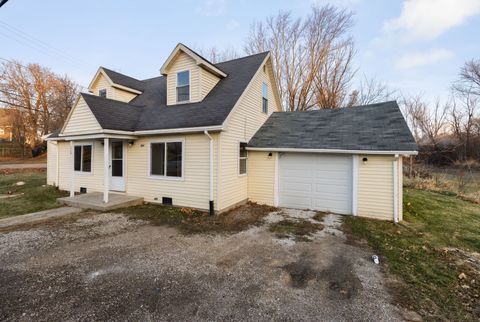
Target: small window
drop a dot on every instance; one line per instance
(102, 93)
(183, 86)
(242, 160)
(83, 158)
(166, 159)
(264, 98)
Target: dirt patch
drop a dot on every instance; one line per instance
(300, 273)
(299, 230)
(342, 279)
(25, 170)
(191, 221)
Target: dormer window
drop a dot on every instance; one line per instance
(102, 93)
(183, 86)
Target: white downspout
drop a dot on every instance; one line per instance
(355, 184)
(72, 179)
(57, 169)
(210, 192)
(395, 189)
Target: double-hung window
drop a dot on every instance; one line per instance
(183, 86)
(166, 159)
(83, 158)
(102, 93)
(264, 98)
(242, 158)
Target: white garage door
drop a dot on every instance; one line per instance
(316, 181)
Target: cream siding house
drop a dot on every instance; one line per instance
(201, 136)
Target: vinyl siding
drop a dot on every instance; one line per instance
(191, 191)
(261, 177)
(180, 63)
(52, 163)
(82, 120)
(207, 82)
(93, 181)
(375, 187)
(112, 93)
(245, 120)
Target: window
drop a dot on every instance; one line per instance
(166, 159)
(102, 93)
(264, 98)
(242, 160)
(83, 158)
(183, 86)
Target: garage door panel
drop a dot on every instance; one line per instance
(315, 181)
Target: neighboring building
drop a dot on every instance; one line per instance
(185, 138)
(6, 125)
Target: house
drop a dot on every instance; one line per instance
(212, 136)
(6, 125)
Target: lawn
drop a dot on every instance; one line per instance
(432, 255)
(33, 195)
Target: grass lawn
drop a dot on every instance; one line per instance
(36, 197)
(432, 255)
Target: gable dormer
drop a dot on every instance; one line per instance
(110, 84)
(190, 77)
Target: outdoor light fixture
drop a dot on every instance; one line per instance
(365, 160)
(270, 155)
(130, 143)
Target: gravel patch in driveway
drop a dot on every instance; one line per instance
(106, 267)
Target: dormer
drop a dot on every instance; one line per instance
(113, 85)
(190, 77)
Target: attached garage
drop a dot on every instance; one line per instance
(315, 181)
(346, 161)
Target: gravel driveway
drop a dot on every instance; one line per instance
(107, 267)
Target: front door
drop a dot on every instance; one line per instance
(117, 168)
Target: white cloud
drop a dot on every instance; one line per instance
(412, 60)
(212, 8)
(232, 24)
(428, 19)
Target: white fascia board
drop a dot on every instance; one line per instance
(333, 151)
(127, 89)
(180, 130)
(92, 136)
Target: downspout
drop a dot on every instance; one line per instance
(57, 168)
(211, 204)
(395, 189)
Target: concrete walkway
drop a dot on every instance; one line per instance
(38, 216)
(23, 166)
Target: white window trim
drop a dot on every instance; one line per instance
(84, 173)
(165, 177)
(266, 97)
(239, 158)
(189, 86)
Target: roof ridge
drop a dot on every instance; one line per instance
(111, 70)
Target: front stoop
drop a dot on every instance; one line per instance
(94, 200)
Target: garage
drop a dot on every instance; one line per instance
(315, 181)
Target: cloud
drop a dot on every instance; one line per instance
(212, 8)
(232, 24)
(416, 59)
(428, 19)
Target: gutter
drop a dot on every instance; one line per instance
(333, 151)
(210, 187)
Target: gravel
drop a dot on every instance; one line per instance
(106, 267)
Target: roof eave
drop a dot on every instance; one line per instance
(341, 151)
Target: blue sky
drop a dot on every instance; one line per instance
(415, 46)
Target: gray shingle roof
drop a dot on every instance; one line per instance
(148, 111)
(375, 127)
(124, 80)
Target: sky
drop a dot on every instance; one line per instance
(414, 46)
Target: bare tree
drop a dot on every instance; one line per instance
(465, 115)
(371, 91)
(215, 55)
(469, 80)
(41, 98)
(312, 56)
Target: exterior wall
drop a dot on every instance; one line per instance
(245, 120)
(52, 163)
(400, 188)
(375, 187)
(112, 93)
(93, 181)
(261, 177)
(190, 191)
(82, 120)
(207, 82)
(183, 62)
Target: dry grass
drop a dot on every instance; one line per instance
(296, 229)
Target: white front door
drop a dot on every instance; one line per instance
(316, 181)
(117, 166)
